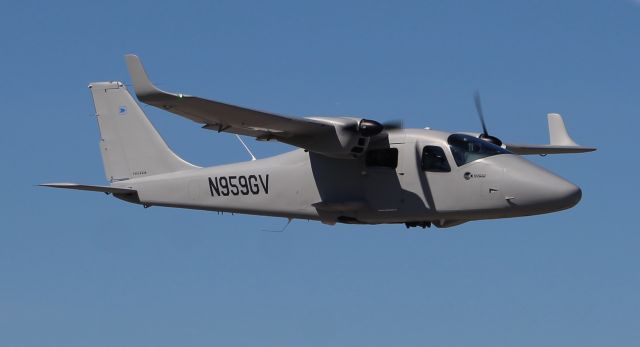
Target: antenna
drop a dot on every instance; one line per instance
(245, 147)
(281, 230)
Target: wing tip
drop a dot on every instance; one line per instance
(57, 184)
(141, 82)
(558, 133)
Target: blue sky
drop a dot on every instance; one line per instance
(82, 269)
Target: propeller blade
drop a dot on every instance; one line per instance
(476, 98)
(393, 124)
(351, 127)
(485, 133)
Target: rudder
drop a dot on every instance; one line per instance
(130, 145)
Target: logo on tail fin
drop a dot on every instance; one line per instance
(122, 110)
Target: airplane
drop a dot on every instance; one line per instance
(346, 169)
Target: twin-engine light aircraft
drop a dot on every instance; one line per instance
(346, 170)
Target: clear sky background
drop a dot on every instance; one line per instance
(84, 269)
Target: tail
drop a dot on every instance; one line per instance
(130, 146)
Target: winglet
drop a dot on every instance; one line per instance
(559, 141)
(141, 83)
(558, 135)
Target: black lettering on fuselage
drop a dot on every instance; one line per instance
(239, 185)
(214, 186)
(244, 185)
(265, 184)
(224, 185)
(253, 184)
(234, 187)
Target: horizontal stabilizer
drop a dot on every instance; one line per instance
(104, 189)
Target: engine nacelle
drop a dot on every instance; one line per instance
(352, 137)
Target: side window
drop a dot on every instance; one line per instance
(434, 160)
(385, 157)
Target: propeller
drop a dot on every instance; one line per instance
(393, 124)
(485, 133)
(370, 128)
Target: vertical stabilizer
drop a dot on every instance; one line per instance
(130, 145)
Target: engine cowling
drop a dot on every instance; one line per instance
(352, 136)
(369, 128)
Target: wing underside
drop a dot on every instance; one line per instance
(546, 149)
(219, 116)
(559, 141)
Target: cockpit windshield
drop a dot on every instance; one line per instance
(466, 148)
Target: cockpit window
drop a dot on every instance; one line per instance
(466, 148)
(434, 160)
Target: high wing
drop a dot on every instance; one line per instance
(559, 141)
(342, 137)
(522, 149)
(330, 135)
(220, 116)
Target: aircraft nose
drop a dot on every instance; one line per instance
(538, 190)
(560, 192)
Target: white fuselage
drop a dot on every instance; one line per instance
(305, 185)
